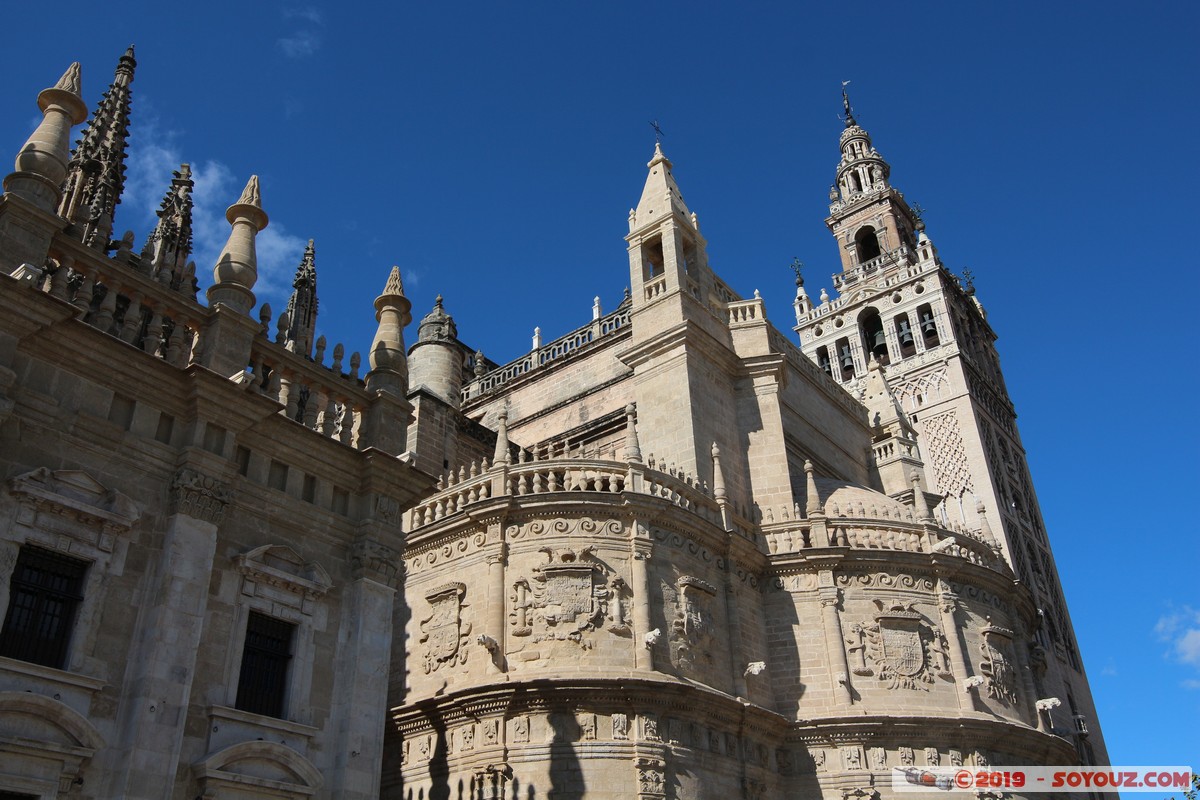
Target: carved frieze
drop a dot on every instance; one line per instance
(620, 726)
(852, 757)
(900, 647)
(997, 666)
(570, 595)
(443, 632)
(651, 777)
(197, 495)
(932, 757)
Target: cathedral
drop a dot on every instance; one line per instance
(676, 553)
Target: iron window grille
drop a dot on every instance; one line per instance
(44, 593)
(262, 686)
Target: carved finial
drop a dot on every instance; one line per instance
(264, 317)
(633, 448)
(920, 505)
(813, 505)
(237, 266)
(319, 355)
(394, 284)
(250, 195)
(502, 454)
(355, 363)
(479, 368)
(389, 366)
(824, 296)
(718, 475)
(71, 80)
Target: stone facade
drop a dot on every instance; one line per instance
(670, 554)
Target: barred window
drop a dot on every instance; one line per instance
(262, 685)
(44, 593)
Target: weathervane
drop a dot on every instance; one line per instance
(658, 134)
(968, 279)
(849, 119)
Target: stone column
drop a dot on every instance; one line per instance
(496, 608)
(163, 661)
(839, 667)
(643, 653)
(360, 694)
(947, 605)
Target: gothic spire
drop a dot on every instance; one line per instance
(169, 245)
(302, 305)
(96, 172)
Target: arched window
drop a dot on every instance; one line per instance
(866, 243)
(845, 358)
(855, 182)
(904, 335)
(928, 325)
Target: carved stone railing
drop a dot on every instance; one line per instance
(744, 312)
(562, 476)
(156, 313)
(877, 530)
(323, 399)
(553, 351)
(656, 288)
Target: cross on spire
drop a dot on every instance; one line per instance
(658, 134)
(846, 106)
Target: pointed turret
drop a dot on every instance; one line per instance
(660, 196)
(169, 245)
(237, 266)
(302, 305)
(389, 367)
(436, 361)
(666, 250)
(96, 173)
(41, 165)
(894, 443)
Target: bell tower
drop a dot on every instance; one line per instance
(901, 315)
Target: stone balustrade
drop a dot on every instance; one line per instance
(562, 475)
(552, 351)
(156, 313)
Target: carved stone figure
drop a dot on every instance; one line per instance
(443, 632)
(907, 757)
(620, 725)
(852, 757)
(932, 757)
(878, 759)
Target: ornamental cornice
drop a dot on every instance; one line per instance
(373, 560)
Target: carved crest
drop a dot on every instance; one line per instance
(902, 649)
(569, 595)
(693, 629)
(997, 664)
(443, 633)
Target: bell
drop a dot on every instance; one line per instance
(906, 337)
(847, 359)
(928, 326)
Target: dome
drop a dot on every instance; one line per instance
(843, 499)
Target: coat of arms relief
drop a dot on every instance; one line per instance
(997, 666)
(572, 594)
(901, 648)
(443, 632)
(692, 628)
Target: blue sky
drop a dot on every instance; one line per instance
(492, 151)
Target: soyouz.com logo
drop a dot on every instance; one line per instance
(1041, 779)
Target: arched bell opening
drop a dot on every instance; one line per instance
(928, 326)
(904, 335)
(866, 244)
(874, 340)
(845, 365)
(652, 259)
(823, 360)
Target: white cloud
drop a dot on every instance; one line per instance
(307, 13)
(1191, 684)
(301, 44)
(1181, 629)
(153, 154)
